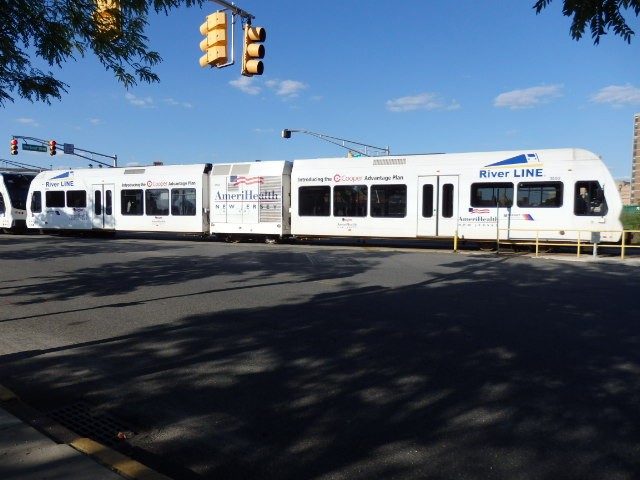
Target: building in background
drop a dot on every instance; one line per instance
(624, 189)
(635, 162)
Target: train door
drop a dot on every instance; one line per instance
(437, 205)
(103, 205)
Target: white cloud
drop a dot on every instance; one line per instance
(618, 96)
(139, 102)
(287, 88)
(95, 121)
(176, 103)
(28, 121)
(422, 101)
(528, 97)
(246, 85)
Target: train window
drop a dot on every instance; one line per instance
(54, 199)
(97, 202)
(131, 201)
(17, 189)
(314, 201)
(539, 194)
(589, 199)
(183, 201)
(157, 201)
(498, 194)
(389, 201)
(3, 208)
(36, 202)
(447, 200)
(108, 202)
(350, 201)
(427, 201)
(76, 198)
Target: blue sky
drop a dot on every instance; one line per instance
(417, 76)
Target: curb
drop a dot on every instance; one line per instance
(116, 460)
(101, 454)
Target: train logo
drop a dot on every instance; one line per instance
(63, 180)
(526, 165)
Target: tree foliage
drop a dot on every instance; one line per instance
(55, 31)
(600, 15)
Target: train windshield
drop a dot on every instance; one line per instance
(589, 199)
(17, 186)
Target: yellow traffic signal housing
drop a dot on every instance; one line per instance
(253, 51)
(216, 42)
(107, 20)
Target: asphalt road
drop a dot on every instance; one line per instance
(251, 361)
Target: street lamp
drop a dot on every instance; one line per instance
(367, 151)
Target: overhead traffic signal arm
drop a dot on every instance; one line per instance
(216, 42)
(253, 51)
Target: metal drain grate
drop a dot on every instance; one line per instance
(84, 420)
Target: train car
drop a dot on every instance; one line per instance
(14, 187)
(553, 195)
(140, 199)
(250, 200)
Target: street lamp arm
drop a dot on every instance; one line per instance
(341, 142)
(22, 165)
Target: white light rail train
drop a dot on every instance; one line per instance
(14, 187)
(551, 195)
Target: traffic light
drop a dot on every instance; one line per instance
(215, 44)
(107, 16)
(253, 50)
(14, 146)
(52, 147)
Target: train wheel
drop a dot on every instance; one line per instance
(487, 246)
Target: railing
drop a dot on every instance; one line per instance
(580, 239)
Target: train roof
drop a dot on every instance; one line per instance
(552, 155)
(113, 172)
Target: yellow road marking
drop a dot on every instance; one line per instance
(115, 460)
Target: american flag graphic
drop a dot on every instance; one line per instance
(238, 180)
(479, 210)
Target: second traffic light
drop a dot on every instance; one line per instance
(52, 147)
(215, 44)
(14, 146)
(253, 51)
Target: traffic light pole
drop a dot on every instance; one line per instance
(341, 142)
(235, 10)
(70, 149)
